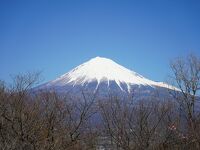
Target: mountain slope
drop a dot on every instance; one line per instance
(103, 75)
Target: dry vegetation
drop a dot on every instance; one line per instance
(48, 121)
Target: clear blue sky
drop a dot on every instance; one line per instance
(56, 35)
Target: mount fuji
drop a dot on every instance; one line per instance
(104, 76)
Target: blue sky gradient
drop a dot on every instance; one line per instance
(54, 36)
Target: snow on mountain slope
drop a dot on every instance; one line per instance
(102, 70)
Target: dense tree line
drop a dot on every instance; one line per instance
(49, 121)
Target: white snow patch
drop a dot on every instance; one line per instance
(103, 69)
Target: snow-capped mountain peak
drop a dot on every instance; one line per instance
(103, 70)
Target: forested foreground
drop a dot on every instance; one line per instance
(48, 121)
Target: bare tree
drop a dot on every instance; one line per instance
(45, 120)
(186, 75)
(135, 125)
